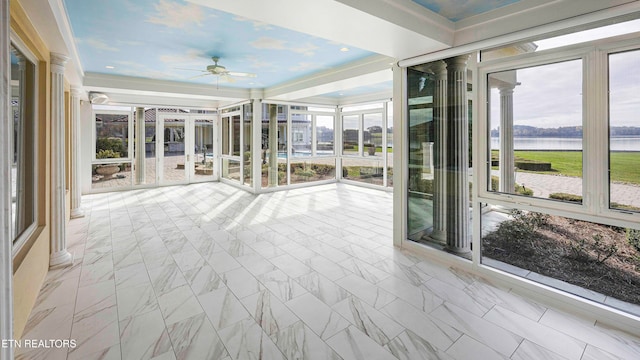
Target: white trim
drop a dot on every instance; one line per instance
(6, 260)
(563, 26)
(19, 242)
(400, 158)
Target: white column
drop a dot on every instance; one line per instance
(273, 145)
(256, 148)
(141, 151)
(76, 179)
(440, 153)
(59, 254)
(507, 158)
(6, 154)
(457, 191)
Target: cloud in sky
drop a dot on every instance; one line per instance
(189, 56)
(307, 49)
(305, 66)
(270, 43)
(97, 44)
(175, 15)
(257, 25)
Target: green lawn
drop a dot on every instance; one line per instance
(625, 166)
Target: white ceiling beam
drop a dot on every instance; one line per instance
(348, 22)
(372, 70)
(530, 14)
(123, 86)
(489, 39)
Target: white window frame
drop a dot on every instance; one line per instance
(19, 241)
(130, 130)
(595, 124)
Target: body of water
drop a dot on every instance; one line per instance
(546, 143)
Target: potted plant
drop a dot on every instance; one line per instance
(107, 170)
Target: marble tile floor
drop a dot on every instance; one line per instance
(208, 271)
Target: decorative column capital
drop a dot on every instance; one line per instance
(57, 62)
(439, 69)
(457, 62)
(77, 92)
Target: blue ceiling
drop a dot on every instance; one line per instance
(154, 38)
(456, 10)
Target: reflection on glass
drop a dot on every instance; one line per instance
(372, 134)
(150, 146)
(421, 154)
(274, 145)
(174, 151)
(303, 171)
(390, 144)
(246, 145)
(111, 175)
(23, 146)
(324, 135)
(112, 135)
(236, 135)
(203, 158)
(225, 136)
(350, 135)
(231, 169)
(301, 127)
(624, 129)
(363, 170)
(536, 130)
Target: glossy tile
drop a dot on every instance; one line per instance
(409, 346)
(552, 339)
(367, 319)
(269, 312)
(246, 340)
(299, 342)
(319, 317)
(195, 338)
(351, 343)
(144, 336)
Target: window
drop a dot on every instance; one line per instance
(535, 118)
(366, 143)
(624, 130)
(560, 204)
(24, 147)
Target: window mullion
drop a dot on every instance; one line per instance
(595, 133)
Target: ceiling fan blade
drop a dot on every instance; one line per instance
(244, 74)
(227, 78)
(198, 76)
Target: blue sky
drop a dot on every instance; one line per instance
(154, 38)
(456, 10)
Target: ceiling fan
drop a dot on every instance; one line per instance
(221, 72)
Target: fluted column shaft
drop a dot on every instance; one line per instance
(440, 152)
(273, 145)
(141, 150)
(76, 156)
(507, 158)
(59, 254)
(457, 185)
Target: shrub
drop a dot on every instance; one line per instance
(581, 250)
(112, 144)
(566, 197)
(107, 154)
(633, 238)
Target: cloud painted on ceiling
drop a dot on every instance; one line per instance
(158, 38)
(362, 90)
(455, 10)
